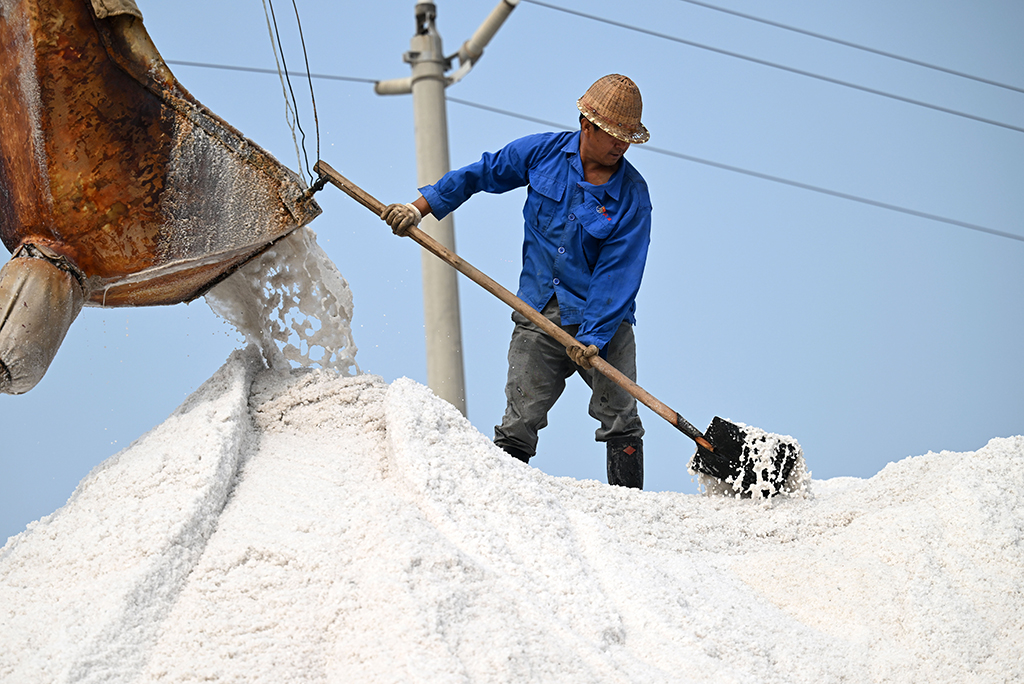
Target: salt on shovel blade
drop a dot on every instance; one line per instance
(748, 459)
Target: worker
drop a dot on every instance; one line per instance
(587, 231)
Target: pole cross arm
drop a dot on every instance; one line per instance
(473, 48)
(467, 55)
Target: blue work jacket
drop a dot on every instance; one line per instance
(584, 244)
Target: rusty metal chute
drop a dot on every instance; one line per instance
(114, 174)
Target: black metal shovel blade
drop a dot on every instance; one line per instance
(739, 459)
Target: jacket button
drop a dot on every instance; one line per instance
(556, 281)
(561, 250)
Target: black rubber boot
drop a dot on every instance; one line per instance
(626, 462)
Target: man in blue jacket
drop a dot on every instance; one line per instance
(587, 232)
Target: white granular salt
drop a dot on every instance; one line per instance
(294, 304)
(304, 527)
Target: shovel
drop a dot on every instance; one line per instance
(748, 459)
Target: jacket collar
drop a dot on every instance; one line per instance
(612, 188)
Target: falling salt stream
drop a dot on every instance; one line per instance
(292, 303)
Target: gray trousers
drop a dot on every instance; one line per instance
(538, 367)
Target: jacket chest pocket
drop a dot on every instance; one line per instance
(544, 200)
(595, 218)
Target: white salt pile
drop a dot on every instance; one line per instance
(300, 526)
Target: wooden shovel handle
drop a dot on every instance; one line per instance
(483, 280)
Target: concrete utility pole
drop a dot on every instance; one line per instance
(445, 370)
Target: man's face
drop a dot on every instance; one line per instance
(601, 147)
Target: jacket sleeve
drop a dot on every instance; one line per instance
(495, 172)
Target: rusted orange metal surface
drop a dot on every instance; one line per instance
(108, 161)
(130, 190)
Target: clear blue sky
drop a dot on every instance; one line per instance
(868, 334)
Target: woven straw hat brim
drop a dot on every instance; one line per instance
(614, 105)
(635, 134)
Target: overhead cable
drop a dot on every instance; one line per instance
(774, 65)
(656, 150)
(849, 44)
(764, 176)
(255, 70)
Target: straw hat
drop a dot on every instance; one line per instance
(613, 104)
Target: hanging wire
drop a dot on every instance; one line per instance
(289, 114)
(309, 79)
(291, 90)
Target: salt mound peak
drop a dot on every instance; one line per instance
(301, 526)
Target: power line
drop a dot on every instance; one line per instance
(774, 65)
(846, 43)
(254, 70)
(656, 150)
(766, 176)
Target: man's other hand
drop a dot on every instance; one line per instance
(582, 355)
